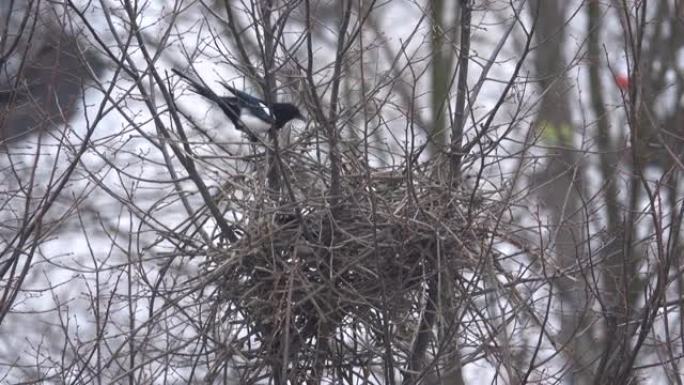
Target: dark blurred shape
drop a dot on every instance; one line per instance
(42, 70)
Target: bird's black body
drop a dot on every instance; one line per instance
(249, 114)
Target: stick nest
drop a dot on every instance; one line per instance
(313, 266)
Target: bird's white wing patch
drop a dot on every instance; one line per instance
(253, 123)
(265, 109)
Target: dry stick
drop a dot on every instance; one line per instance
(176, 184)
(268, 58)
(427, 322)
(186, 161)
(388, 359)
(267, 44)
(133, 72)
(502, 98)
(459, 118)
(30, 221)
(492, 58)
(33, 222)
(649, 315)
(331, 123)
(34, 225)
(607, 160)
(461, 91)
(238, 40)
(633, 38)
(19, 33)
(441, 79)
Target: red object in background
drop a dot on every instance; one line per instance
(622, 81)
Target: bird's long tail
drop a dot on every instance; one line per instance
(196, 86)
(232, 89)
(227, 108)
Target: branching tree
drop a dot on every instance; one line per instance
(483, 191)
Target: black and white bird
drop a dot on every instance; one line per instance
(248, 113)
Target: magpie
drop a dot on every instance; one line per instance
(249, 114)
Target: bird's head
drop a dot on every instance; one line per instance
(284, 112)
(292, 112)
